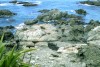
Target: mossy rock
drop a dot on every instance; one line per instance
(44, 10)
(8, 35)
(53, 14)
(90, 54)
(92, 24)
(81, 11)
(6, 13)
(29, 4)
(13, 1)
(31, 22)
(96, 3)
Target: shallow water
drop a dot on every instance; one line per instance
(26, 13)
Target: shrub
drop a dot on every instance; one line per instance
(11, 58)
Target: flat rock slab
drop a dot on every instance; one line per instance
(37, 32)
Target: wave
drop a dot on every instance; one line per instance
(4, 4)
(72, 11)
(87, 5)
(38, 2)
(20, 26)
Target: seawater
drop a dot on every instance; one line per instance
(27, 13)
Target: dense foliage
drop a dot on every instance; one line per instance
(12, 58)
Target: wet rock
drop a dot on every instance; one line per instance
(14, 1)
(31, 22)
(8, 35)
(96, 3)
(29, 4)
(81, 11)
(9, 27)
(44, 10)
(53, 14)
(24, 3)
(92, 24)
(6, 13)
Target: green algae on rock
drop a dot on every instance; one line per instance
(6, 13)
(96, 3)
(81, 12)
(31, 22)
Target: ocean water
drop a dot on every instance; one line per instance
(26, 13)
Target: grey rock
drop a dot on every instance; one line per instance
(94, 36)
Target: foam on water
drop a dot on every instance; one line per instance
(38, 2)
(87, 5)
(5, 4)
(20, 26)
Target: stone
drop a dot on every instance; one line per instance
(29, 4)
(38, 32)
(90, 54)
(94, 36)
(41, 44)
(44, 10)
(28, 44)
(96, 3)
(6, 13)
(53, 14)
(81, 12)
(31, 22)
(68, 50)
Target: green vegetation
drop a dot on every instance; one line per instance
(12, 58)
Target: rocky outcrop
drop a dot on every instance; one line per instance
(60, 44)
(38, 32)
(31, 22)
(52, 15)
(51, 51)
(81, 12)
(6, 13)
(96, 3)
(24, 3)
(91, 52)
(94, 36)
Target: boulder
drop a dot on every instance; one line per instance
(24, 3)
(44, 10)
(90, 55)
(31, 22)
(38, 32)
(81, 11)
(6, 13)
(94, 36)
(53, 14)
(29, 4)
(96, 3)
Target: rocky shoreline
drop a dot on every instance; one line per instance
(95, 3)
(61, 40)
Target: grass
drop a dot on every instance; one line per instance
(12, 58)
